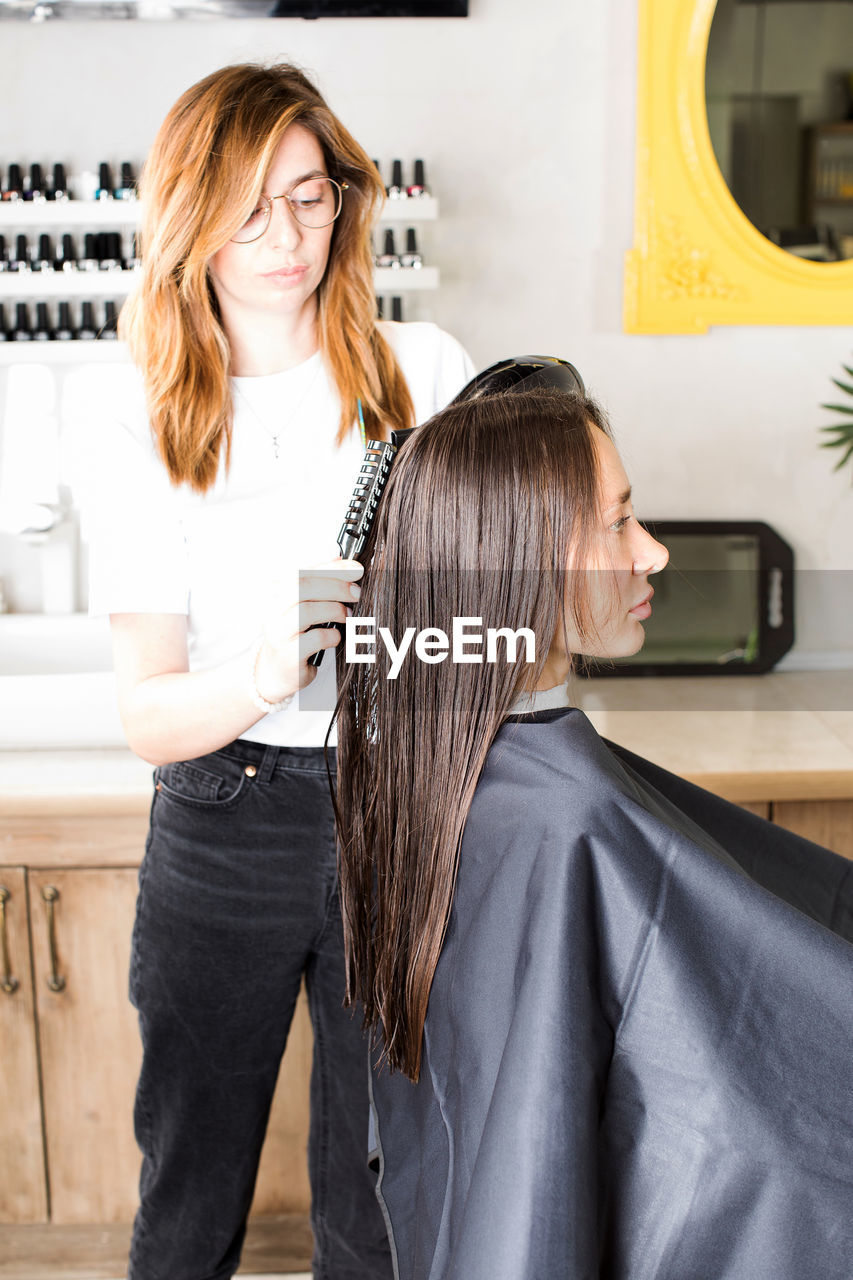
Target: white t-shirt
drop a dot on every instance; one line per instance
(230, 558)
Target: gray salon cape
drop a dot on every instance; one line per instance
(638, 1055)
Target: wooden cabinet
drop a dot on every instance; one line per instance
(23, 1189)
(73, 1034)
(826, 822)
(70, 1040)
(88, 1040)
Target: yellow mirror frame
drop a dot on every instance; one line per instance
(697, 260)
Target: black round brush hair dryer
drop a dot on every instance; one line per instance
(523, 373)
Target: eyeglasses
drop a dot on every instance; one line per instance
(314, 203)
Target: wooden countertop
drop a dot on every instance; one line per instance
(783, 736)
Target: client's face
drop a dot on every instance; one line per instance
(617, 586)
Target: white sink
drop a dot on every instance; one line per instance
(53, 644)
(47, 712)
(57, 689)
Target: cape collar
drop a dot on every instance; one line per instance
(541, 700)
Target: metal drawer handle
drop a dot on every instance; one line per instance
(50, 895)
(7, 982)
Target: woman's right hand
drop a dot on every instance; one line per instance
(171, 713)
(325, 592)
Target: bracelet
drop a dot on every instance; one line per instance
(258, 699)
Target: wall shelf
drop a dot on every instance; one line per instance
(93, 214)
(20, 286)
(128, 213)
(412, 209)
(393, 280)
(100, 351)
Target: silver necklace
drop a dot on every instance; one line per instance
(276, 435)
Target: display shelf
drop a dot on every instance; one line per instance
(20, 286)
(128, 213)
(69, 213)
(412, 209)
(100, 351)
(391, 280)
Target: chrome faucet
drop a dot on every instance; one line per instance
(52, 527)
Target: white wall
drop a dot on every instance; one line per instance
(525, 115)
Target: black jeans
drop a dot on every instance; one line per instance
(237, 899)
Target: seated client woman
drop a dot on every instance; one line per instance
(613, 1012)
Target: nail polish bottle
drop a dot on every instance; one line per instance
(397, 191)
(134, 261)
(41, 333)
(66, 258)
(104, 189)
(89, 261)
(21, 331)
(109, 251)
(397, 310)
(21, 260)
(86, 331)
(418, 187)
(44, 257)
(388, 256)
(14, 189)
(63, 331)
(85, 185)
(4, 254)
(36, 188)
(109, 329)
(58, 189)
(411, 258)
(4, 331)
(127, 188)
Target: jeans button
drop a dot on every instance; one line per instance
(250, 771)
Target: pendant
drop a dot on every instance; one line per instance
(275, 445)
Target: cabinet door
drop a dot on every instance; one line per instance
(826, 822)
(89, 1040)
(23, 1190)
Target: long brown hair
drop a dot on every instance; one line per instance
(207, 165)
(484, 506)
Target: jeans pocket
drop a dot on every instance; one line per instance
(214, 781)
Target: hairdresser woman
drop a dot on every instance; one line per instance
(228, 471)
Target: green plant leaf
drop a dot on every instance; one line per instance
(840, 433)
(847, 454)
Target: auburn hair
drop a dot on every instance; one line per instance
(484, 507)
(206, 167)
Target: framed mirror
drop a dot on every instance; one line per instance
(711, 249)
